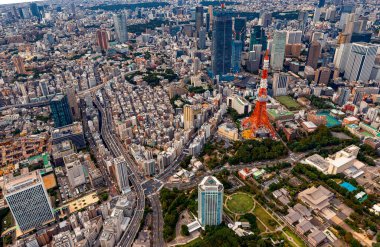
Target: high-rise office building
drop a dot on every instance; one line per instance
(208, 22)
(236, 55)
(19, 64)
(322, 75)
(265, 19)
(35, 11)
(202, 39)
(343, 95)
(189, 114)
(60, 110)
(121, 29)
(240, 29)
(102, 39)
(278, 50)
(28, 200)
(73, 103)
(361, 92)
(258, 37)
(280, 84)
(293, 37)
(210, 201)
(221, 43)
(198, 18)
(121, 174)
(313, 55)
(360, 62)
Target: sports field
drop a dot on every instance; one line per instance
(240, 203)
(289, 102)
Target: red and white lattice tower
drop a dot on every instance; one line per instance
(257, 125)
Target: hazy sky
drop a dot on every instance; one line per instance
(16, 1)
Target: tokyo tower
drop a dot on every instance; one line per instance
(257, 125)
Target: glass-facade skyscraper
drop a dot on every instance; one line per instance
(210, 201)
(198, 18)
(120, 23)
(240, 27)
(258, 37)
(221, 42)
(60, 111)
(278, 50)
(237, 46)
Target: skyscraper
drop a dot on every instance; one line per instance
(35, 11)
(342, 96)
(236, 55)
(198, 18)
(19, 64)
(258, 37)
(28, 200)
(280, 84)
(322, 75)
(360, 62)
(210, 201)
(278, 50)
(121, 174)
(60, 111)
(221, 43)
(240, 29)
(73, 103)
(293, 37)
(120, 24)
(189, 113)
(102, 39)
(313, 55)
(202, 39)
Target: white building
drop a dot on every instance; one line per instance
(121, 174)
(240, 104)
(278, 50)
(75, 173)
(360, 62)
(28, 200)
(280, 84)
(293, 37)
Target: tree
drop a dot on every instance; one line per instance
(185, 230)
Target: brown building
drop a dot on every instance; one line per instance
(322, 75)
(102, 39)
(313, 55)
(19, 64)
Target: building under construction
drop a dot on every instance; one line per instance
(257, 125)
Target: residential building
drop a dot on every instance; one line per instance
(313, 55)
(121, 29)
(102, 39)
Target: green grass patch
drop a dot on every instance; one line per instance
(294, 236)
(289, 102)
(267, 219)
(240, 203)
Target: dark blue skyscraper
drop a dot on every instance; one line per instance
(258, 37)
(240, 28)
(60, 111)
(198, 18)
(221, 42)
(35, 11)
(321, 3)
(236, 55)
